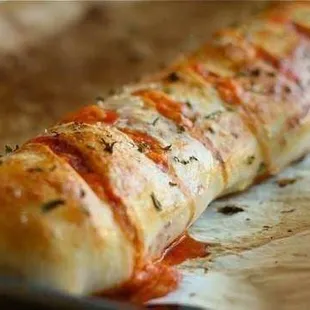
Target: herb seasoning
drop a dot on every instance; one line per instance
(188, 104)
(213, 115)
(156, 202)
(261, 168)
(51, 205)
(167, 148)
(271, 74)
(82, 193)
(250, 160)
(90, 147)
(53, 168)
(108, 147)
(9, 149)
(287, 89)
(35, 169)
(183, 161)
(112, 92)
(173, 77)
(193, 158)
(99, 99)
(142, 147)
(155, 121)
(180, 129)
(255, 72)
(211, 130)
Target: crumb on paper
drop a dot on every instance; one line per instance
(286, 181)
(230, 209)
(288, 211)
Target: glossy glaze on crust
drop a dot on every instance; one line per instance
(101, 195)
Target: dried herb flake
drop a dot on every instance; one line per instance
(261, 169)
(173, 77)
(193, 158)
(82, 193)
(156, 202)
(180, 129)
(255, 72)
(91, 147)
(51, 205)
(35, 169)
(155, 121)
(250, 160)
(142, 147)
(183, 161)
(213, 115)
(112, 92)
(211, 130)
(287, 89)
(9, 149)
(53, 168)
(271, 74)
(108, 147)
(167, 148)
(188, 104)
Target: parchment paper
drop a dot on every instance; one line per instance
(260, 256)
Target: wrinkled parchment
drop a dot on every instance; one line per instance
(259, 256)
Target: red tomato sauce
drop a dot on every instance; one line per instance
(149, 146)
(228, 89)
(157, 279)
(206, 74)
(281, 64)
(92, 114)
(166, 107)
(154, 279)
(184, 248)
(65, 151)
(278, 17)
(302, 29)
(99, 183)
(151, 281)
